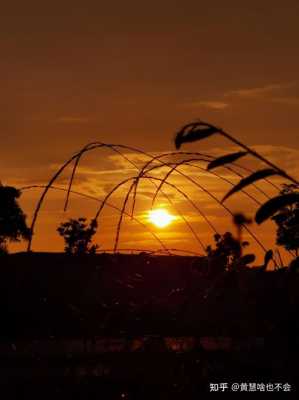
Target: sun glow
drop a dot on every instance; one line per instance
(160, 217)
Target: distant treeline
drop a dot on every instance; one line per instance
(48, 294)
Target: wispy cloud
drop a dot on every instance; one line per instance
(214, 105)
(276, 93)
(259, 92)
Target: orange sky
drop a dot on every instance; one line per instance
(133, 73)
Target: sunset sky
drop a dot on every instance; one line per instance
(134, 72)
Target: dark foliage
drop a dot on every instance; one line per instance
(228, 252)
(267, 258)
(287, 221)
(239, 219)
(249, 180)
(275, 205)
(104, 295)
(193, 132)
(226, 159)
(12, 219)
(78, 236)
(294, 265)
(80, 318)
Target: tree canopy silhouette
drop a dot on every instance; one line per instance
(228, 252)
(78, 236)
(287, 221)
(13, 225)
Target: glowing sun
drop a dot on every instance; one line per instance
(160, 217)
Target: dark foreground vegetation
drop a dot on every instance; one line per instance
(138, 326)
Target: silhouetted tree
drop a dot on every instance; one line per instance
(78, 236)
(13, 226)
(287, 221)
(227, 252)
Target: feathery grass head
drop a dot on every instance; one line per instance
(193, 132)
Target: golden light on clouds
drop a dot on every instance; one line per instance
(160, 217)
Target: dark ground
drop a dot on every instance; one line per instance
(55, 310)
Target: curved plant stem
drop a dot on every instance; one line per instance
(164, 248)
(258, 156)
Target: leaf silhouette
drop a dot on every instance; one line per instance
(248, 180)
(268, 257)
(193, 132)
(226, 159)
(273, 205)
(247, 259)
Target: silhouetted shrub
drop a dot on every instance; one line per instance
(78, 236)
(228, 252)
(12, 219)
(287, 221)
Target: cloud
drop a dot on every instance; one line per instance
(258, 92)
(214, 105)
(103, 172)
(131, 160)
(285, 157)
(276, 93)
